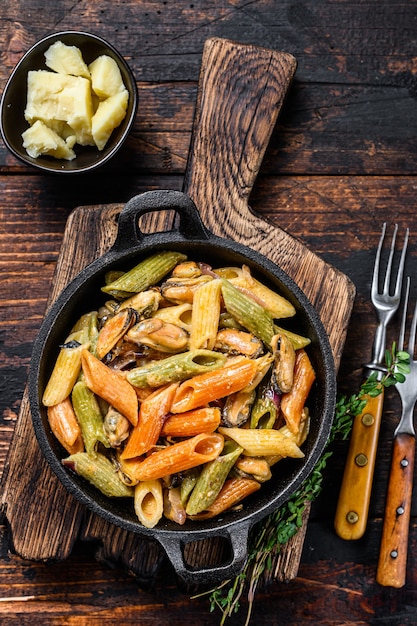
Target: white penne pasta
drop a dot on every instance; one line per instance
(274, 303)
(149, 502)
(179, 314)
(66, 371)
(205, 316)
(263, 442)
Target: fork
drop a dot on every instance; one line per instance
(355, 492)
(392, 563)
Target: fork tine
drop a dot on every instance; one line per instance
(375, 276)
(398, 284)
(412, 337)
(413, 327)
(376, 272)
(401, 338)
(389, 264)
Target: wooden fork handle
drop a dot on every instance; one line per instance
(355, 492)
(392, 563)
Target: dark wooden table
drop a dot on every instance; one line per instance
(342, 160)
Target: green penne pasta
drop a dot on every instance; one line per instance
(264, 411)
(188, 483)
(89, 417)
(298, 341)
(274, 303)
(100, 472)
(148, 272)
(176, 368)
(212, 478)
(248, 313)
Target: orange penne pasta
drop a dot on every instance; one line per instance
(65, 426)
(192, 423)
(110, 386)
(292, 403)
(180, 456)
(152, 412)
(233, 491)
(204, 388)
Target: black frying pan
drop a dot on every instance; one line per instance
(83, 294)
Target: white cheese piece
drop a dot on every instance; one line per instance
(66, 60)
(39, 139)
(59, 97)
(108, 116)
(106, 78)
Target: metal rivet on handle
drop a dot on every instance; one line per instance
(400, 510)
(361, 459)
(393, 554)
(404, 463)
(352, 517)
(368, 419)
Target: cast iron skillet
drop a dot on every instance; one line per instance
(83, 294)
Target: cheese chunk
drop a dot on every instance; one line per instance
(58, 97)
(65, 104)
(108, 116)
(106, 78)
(39, 139)
(66, 60)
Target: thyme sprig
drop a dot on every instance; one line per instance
(268, 538)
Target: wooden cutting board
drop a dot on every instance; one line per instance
(241, 92)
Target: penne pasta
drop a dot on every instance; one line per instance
(64, 374)
(85, 330)
(192, 423)
(233, 492)
(211, 479)
(263, 442)
(64, 424)
(176, 368)
(188, 482)
(200, 390)
(110, 386)
(149, 502)
(205, 316)
(146, 273)
(180, 456)
(89, 417)
(100, 472)
(298, 341)
(298, 437)
(276, 305)
(292, 403)
(152, 413)
(179, 314)
(247, 312)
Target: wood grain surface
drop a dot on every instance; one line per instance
(241, 91)
(341, 160)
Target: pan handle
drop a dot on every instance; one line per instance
(238, 540)
(190, 225)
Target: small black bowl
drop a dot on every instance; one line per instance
(13, 104)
